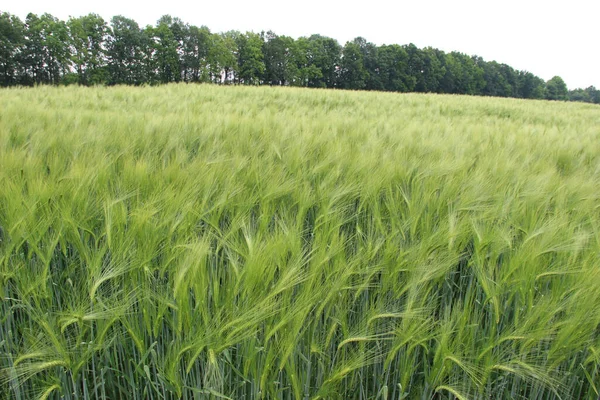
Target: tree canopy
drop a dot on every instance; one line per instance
(88, 51)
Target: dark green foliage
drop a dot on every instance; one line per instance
(87, 35)
(12, 40)
(531, 86)
(580, 95)
(594, 94)
(283, 61)
(462, 74)
(353, 74)
(128, 53)
(322, 60)
(195, 48)
(250, 58)
(392, 65)
(222, 56)
(167, 40)
(500, 79)
(45, 56)
(589, 95)
(369, 52)
(430, 70)
(556, 89)
(87, 51)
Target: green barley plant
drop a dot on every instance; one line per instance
(203, 242)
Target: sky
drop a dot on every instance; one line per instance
(546, 38)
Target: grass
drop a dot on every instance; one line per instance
(201, 242)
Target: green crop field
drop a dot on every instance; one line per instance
(204, 242)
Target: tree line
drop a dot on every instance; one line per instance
(87, 50)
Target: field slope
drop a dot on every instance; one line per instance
(195, 242)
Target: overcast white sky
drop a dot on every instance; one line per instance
(544, 37)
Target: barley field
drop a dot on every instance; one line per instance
(204, 242)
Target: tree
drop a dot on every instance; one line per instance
(307, 70)
(425, 66)
(393, 69)
(594, 94)
(87, 38)
(85, 50)
(129, 57)
(56, 39)
(432, 71)
(282, 61)
(530, 86)
(168, 42)
(12, 40)
(352, 73)
(250, 58)
(579, 95)
(587, 95)
(370, 63)
(462, 75)
(195, 48)
(222, 56)
(32, 56)
(497, 78)
(46, 53)
(556, 89)
(322, 61)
